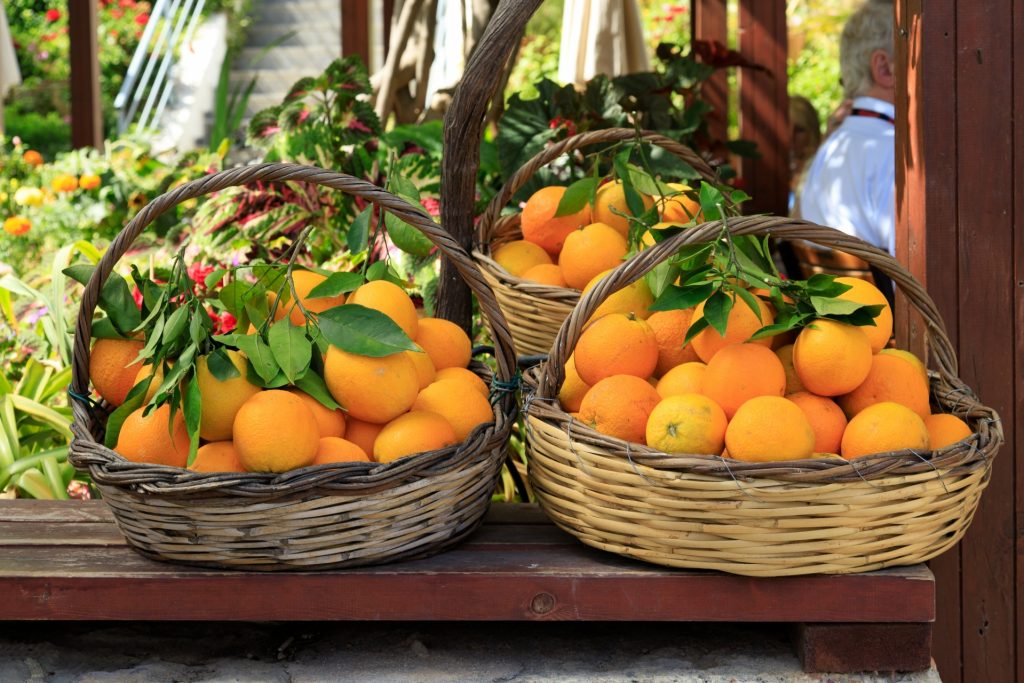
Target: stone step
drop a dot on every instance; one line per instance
(261, 35)
(309, 58)
(311, 12)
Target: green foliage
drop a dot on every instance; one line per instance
(813, 66)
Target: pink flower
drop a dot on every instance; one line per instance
(52, 14)
(227, 323)
(356, 124)
(303, 115)
(432, 205)
(198, 272)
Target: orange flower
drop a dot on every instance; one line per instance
(17, 225)
(89, 181)
(32, 157)
(64, 183)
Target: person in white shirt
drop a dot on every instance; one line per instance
(851, 183)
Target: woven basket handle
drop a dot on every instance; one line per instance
(281, 172)
(489, 220)
(635, 268)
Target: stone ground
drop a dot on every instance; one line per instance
(413, 652)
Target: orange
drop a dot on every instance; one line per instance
(334, 449)
(793, 383)
(111, 368)
(741, 372)
(884, 427)
(546, 274)
(221, 401)
(679, 208)
(418, 431)
(305, 281)
(467, 376)
(687, 423)
(425, 372)
(573, 389)
(889, 378)
(769, 428)
(908, 356)
(687, 378)
(741, 323)
(463, 409)
(362, 434)
(539, 224)
(329, 422)
(635, 298)
(863, 292)
(371, 389)
(275, 431)
(519, 256)
(826, 418)
(590, 250)
(945, 429)
(446, 343)
(611, 197)
(831, 358)
(670, 331)
(217, 456)
(155, 438)
(391, 300)
(620, 406)
(158, 378)
(616, 344)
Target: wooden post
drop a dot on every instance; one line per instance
(764, 105)
(463, 132)
(86, 116)
(355, 29)
(708, 21)
(960, 229)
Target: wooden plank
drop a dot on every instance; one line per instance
(984, 212)
(355, 29)
(1018, 372)
(578, 584)
(852, 648)
(709, 21)
(764, 105)
(926, 227)
(86, 117)
(45, 511)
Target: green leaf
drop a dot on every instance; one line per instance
(115, 297)
(335, 284)
(750, 300)
(382, 271)
(314, 385)
(220, 366)
(682, 297)
(696, 327)
(173, 376)
(863, 316)
(104, 329)
(364, 331)
(276, 382)
(825, 285)
(771, 331)
(359, 233)
(259, 354)
(175, 325)
(716, 311)
(577, 196)
(290, 347)
(710, 198)
(661, 277)
(824, 305)
(406, 237)
(193, 410)
(633, 199)
(214, 278)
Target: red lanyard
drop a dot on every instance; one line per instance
(856, 111)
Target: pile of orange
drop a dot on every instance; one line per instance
(827, 388)
(391, 407)
(574, 250)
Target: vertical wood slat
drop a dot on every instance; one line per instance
(355, 29)
(389, 11)
(1017, 143)
(764, 105)
(86, 116)
(926, 160)
(709, 21)
(985, 215)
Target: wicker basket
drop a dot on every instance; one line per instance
(327, 516)
(759, 519)
(535, 311)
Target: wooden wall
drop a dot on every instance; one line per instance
(960, 216)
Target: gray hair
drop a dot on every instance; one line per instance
(869, 29)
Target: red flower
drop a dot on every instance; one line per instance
(117, 13)
(52, 14)
(227, 323)
(141, 19)
(562, 122)
(356, 124)
(433, 206)
(126, 3)
(137, 296)
(198, 272)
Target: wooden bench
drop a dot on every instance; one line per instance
(68, 561)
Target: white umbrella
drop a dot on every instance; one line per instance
(601, 37)
(10, 74)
